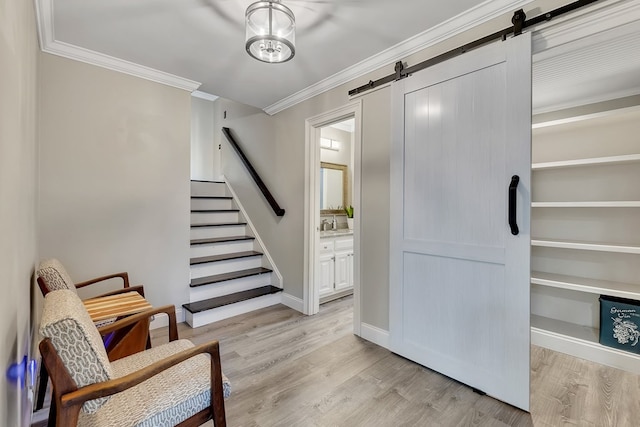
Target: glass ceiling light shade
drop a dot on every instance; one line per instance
(270, 31)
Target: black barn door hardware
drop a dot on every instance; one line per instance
(513, 196)
(519, 21)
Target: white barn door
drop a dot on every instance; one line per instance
(459, 276)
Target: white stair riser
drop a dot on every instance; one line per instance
(211, 204)
(220, 231)
(208, 189)
(205, 317)
(219, 267)
(219, 289)
(221, 248)
(213, 217)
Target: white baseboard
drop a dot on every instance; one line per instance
(293, 302)
(162, 320)
(375, 335)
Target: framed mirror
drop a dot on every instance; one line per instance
(333, 188)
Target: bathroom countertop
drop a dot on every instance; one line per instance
(335, 233)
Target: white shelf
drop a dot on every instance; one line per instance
(586, 246)
(584, 150)
(611, 204)
(582, 284)
(584, 117)
(611, 160)
(580, 341)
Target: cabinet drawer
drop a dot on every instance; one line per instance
(343, 244)
(326, 245)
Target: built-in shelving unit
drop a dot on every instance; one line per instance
(586, 248)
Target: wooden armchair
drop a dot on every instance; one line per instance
(53, 276)
(172, 384)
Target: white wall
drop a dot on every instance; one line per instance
(279, 155)
(18, 180)
(341, 156)
(203, 154)
(114, 176)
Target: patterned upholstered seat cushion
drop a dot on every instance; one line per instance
(57, 278)
(55, 275)
(67, 324)
(165, 399)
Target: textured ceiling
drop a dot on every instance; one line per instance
(596, 68)
(203, 40)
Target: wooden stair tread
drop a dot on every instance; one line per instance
(213, 210)
(201, 281)
(219, 224)
(200, 180)
(212, 197)
(221, 240)
(224, 257)
(208, 304)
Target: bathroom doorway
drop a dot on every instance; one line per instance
(332, 201)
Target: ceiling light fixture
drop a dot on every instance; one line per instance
(270, 31)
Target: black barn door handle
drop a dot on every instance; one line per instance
(513, 189)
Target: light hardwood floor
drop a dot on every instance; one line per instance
(288, 369)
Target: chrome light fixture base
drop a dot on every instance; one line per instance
(270, 31)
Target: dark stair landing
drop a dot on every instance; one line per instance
(208, 304)
(201, 281)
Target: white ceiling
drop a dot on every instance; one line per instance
(203, 41)
(601, 66)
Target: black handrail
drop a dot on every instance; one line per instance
(265, 191)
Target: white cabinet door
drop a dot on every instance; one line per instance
(342, 270)
(350, 270)
(326, 276)
(459, 278)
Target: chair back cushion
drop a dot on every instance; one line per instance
(67, 324)
(55, 276)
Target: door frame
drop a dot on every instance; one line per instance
(311, 299)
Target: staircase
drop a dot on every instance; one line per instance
(230, 273)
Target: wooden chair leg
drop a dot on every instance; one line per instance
(42, 387)
(52, 414)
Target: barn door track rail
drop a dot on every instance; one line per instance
(519, 20)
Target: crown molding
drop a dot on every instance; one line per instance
(204, 95)
(48, 44)
(456, 25)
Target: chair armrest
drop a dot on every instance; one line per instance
(108, 388)
(170, 310)
(124, 276)
(138, 288)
